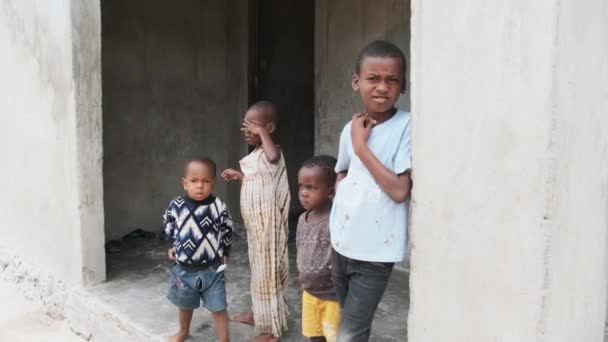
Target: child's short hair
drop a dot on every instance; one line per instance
(382, 49)
(203, 160)
(269, 109)
(327, 165)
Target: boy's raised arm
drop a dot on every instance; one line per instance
(396, 186)
(271, 150)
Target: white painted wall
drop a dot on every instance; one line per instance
(576, 228)
(510, 153)
(49, 138)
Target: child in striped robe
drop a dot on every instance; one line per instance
(265, 208)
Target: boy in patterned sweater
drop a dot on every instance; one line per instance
(201, 228)
(320, 309)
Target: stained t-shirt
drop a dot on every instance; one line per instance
(365, 223)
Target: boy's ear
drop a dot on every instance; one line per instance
(355, 82)
(184, 180)
(271, 127)
(332, 192)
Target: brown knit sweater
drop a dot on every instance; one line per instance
(314, 256)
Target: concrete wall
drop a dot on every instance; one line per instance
(510, 170)
(49, 139)
(342, 29)
(175, 86)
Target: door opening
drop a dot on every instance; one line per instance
(282, 71)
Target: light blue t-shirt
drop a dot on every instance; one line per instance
(365, 223)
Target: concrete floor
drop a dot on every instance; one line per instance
(23, 320)
(138, 280)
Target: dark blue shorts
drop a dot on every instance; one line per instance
(188, 288)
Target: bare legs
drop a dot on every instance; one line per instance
(221, 325)
(246, 318)
(185, 318)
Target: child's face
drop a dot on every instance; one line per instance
(379, 83)
(314, 190)
(198, 181)
(257, 118)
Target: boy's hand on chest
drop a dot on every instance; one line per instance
(361, 128)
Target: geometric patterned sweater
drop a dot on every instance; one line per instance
(201, 230)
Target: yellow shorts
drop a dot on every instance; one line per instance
(320, 317)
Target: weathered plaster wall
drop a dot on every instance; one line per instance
(510, 170)
(577, 215)
(175, 86)
(45, 124)
(342, 29)
(86, 59)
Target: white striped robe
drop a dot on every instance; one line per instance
(265, 209)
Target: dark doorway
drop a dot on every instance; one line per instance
(282, 65)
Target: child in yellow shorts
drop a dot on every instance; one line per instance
(320, 309)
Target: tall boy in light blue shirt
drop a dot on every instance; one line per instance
(368, 221)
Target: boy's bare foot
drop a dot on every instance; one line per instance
(179, 337)
(244, 318)
(266, 338)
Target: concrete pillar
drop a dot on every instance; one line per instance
(86, 59)
(510, 153)
(50, 142)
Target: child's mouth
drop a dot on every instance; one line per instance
(380, 99)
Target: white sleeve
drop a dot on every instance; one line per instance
(344, 150)
(403, 156)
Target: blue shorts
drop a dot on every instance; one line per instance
(187, 288)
